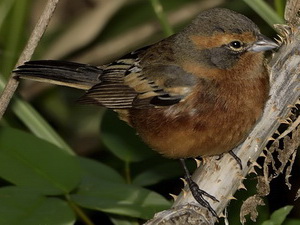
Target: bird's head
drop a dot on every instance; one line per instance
(219, 37)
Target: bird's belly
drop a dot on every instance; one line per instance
(202, 125)
(186, 136)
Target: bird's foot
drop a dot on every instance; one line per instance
(237, 159)
(197, 193)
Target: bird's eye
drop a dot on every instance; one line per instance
(236, 45)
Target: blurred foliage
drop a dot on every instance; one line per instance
(113, 178)
(278, 216)
(12, 35)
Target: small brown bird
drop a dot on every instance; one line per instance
(196, 93)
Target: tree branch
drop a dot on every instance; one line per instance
(32, 43)
(222, 178)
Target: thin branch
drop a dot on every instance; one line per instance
(32, 43)
(158, 9)
(79, 212)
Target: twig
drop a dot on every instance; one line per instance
(32, 43)
(80, 213)
(158, 9)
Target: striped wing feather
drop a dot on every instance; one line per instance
(124, 86)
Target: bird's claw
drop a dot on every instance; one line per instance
(198, 195)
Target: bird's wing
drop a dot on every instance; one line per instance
(131, 83)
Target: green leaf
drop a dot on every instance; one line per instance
(12, 33)
(23, 206)
(99, 171)
(292, 222)
(158, 173)
(35, 122)
(120, 199)
(122, 140)
(159, 11)
(5, 7)
(28, 161)
(279, 6)
(278, 216)
(265, 11)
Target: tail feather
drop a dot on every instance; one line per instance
(63, 73)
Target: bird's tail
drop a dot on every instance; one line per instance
(63, 73)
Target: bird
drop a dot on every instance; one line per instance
(198, 92)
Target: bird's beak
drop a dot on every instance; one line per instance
(263, 44)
